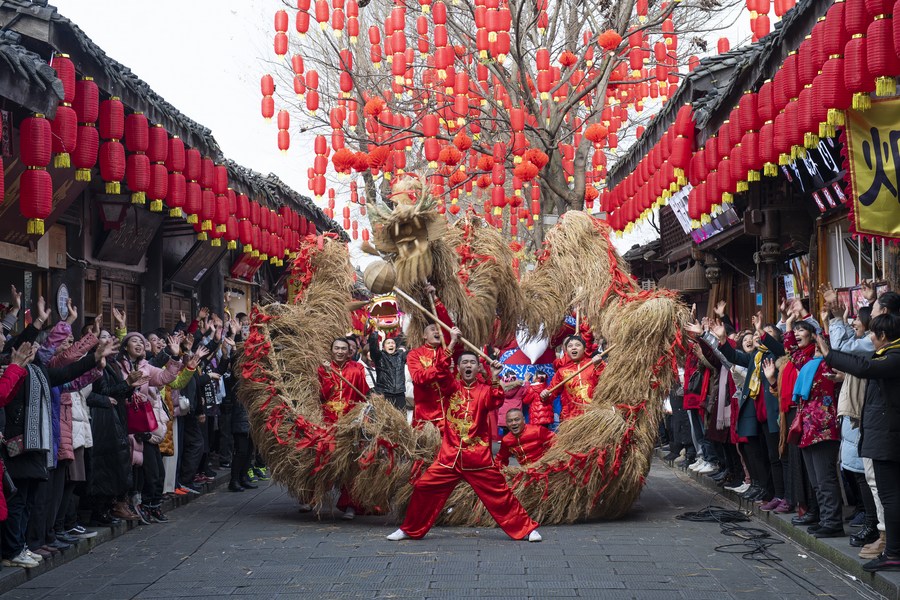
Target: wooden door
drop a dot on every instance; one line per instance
(172, 307)
(124, 296)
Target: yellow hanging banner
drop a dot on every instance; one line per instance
(873, 152)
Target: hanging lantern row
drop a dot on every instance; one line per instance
(850, 54)
(662, 172)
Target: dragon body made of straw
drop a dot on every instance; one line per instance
(597, 466)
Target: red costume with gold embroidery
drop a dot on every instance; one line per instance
(578, 391)
(465, 454)
(527, 447)
(429, 368)
(337, 397)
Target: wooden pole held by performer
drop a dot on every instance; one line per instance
(443, 325)
(578, 372)
(344, 379)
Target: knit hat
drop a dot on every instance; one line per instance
(135, 334)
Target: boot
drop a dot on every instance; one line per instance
(874, 549)
(234, 486)
(866, 535)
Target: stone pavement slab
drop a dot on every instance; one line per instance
(256, 545)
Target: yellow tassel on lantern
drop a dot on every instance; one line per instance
(138, 197)
(62, 160)
(679, 173)
(827, 130)
(202, 236)
(695, 224)
(192, 219)
(810, 140)
(221, 228)
(743, 186)
(770, 170)
(704, 219)
(156, 206)
(206, 225)
(215, 242)
(387, 176)
(82, 174)
(861, 101)
(255, 253)
(835, 116)
(113, 187)
(886, 86)
(35, 227)
(682, 180)
(753, 176)
(263, 257)
(727, 198)
(783, 160)
(273, 260)
(175, 212)
(248, 248)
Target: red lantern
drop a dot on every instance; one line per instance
(85, 155)
(36, 198)
(137, 176)
(87, 100)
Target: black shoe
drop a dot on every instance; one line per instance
(720, 474)
(752, 492)
(158, 515)
(225, 464)
(882, 563)
(248, 485)
(814, 529)
(59, 545)
(829, 532)
(235, 487)
(807, 519)
(64, 537)
(866, 535)
(105, 520)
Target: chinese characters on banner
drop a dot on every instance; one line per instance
(873, 150)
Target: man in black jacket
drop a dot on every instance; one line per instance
(390, 370)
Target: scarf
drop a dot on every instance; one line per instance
(800, 356)
(805, 378)
(753, 385)
(892, 346)
(38, 435)
(852, 396)
(723, 406)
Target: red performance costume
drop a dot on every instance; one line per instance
(527, 447)
(429, 369)
(465, 453)
(578, 391)
(337, 397)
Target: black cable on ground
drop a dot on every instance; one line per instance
(755, 545)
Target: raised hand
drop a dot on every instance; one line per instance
(73, 312)
(868, 291)
(202, 313)
(104, 349)
(718, 330)
(769, 368)
(783, 306)
(96, 326)
(203, 352)
(119, 316)
(24, 354)
(182, 317)
(16, 300)
(720, 308)
(693, 329)
(828, 294)
(757, 321)
(824, 346)
(43, 313)
(693, 312)
(174, 346)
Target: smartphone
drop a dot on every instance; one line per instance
(27, 317)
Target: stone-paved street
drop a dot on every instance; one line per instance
(256, 545)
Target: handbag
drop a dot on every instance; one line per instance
(15, 446)
(695, 383)
(795, 433)
(141, 418)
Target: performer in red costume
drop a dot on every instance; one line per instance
(578, 391)
(465, 454)
(337, 397)
(429, 368)
(524, 442)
